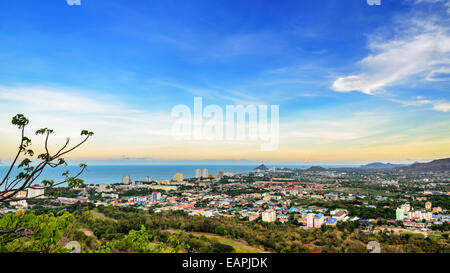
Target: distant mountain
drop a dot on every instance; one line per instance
(261, 167)
(316, 169)
(380, 165)
(438, 165)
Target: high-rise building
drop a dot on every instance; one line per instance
(269, 216)
(318, 220)
(198, 173)
(178, 177)
(147, 179)
(126, 179)
(399, 214)
(221, 174)
(310, 220)
(156, 196)
(205, 173)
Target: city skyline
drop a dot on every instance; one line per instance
(354, 83)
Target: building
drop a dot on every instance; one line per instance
(221, 174)
(35, 191)
(319, 220)
(399, 214)
(414, 224)
(420, 215)
(126, 180)
(253, 216)
(19, 204)
(198, 173)
(269, 216)
(147, 179)
(331, 222)
(283, 218)
(67, 200)
(208, 213)
(20, 195)
(163, 187)
(428, 205)
(339, 215)
(178, 177)
(437, 209)
(302, 220)
(110, 195)
(405, 207)
(156, 196)
(310, 220)
(103, 188)
(205, 173)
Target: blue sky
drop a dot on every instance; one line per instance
(354, 82)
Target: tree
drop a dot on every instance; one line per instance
(10, 187)
(28, 174)
(221, 230)
(26, 232)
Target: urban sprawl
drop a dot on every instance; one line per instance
(309, 198)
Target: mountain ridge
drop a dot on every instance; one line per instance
(432, 166)
(381, 165)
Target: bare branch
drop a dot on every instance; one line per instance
(15, 159)
(24, 180)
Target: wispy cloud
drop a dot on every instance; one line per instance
(420, 48)
(68, 112)
(446, 3)
(334, 130)
(49, 99)
(439, 105)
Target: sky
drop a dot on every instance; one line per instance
(355, 83)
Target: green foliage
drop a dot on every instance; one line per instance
(222, 248)
(221, 230)
(345, 237)
(86, 133)
(139, 241)
(28, 174)
(20, 121)
(35, 233)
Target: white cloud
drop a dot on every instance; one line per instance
(337, 129)
(442, 106)
(446, 3)
(438, 75)
(69, 112)
(51, 99)
(439, 105)
(419, 47)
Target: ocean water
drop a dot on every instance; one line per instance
(108, 174)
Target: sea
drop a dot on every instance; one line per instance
(110, 174)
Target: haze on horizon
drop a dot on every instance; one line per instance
(355, 83)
